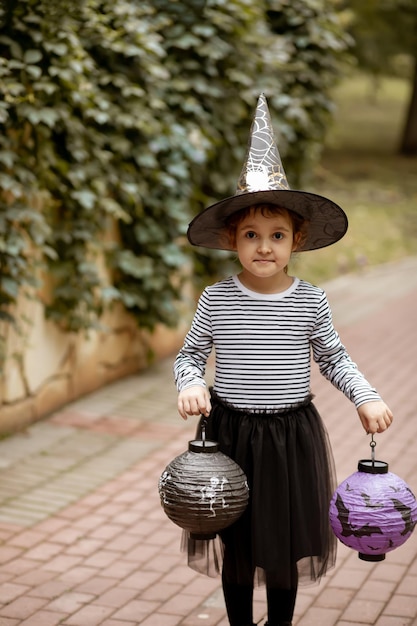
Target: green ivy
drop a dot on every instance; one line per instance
(313, 35)
(120, 120)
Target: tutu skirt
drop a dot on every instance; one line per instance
(284, 535)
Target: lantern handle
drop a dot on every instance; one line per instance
(203, 430)
(372, 444)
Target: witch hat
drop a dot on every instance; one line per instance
(261, 181)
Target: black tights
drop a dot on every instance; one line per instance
(281, 603)
(239, 604)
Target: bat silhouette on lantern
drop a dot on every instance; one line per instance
(405, 512)
(347, 529)
(365, 531)
(369, 504)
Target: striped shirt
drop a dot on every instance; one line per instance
(263, 345)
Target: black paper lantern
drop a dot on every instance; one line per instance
(202, 490)
(373, 511)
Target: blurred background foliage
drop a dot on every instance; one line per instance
(362, 170)
(121, 120)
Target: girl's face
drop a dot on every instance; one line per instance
(264, 245)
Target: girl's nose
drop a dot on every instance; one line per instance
(264, 246)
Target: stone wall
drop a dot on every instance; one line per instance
(47, 368)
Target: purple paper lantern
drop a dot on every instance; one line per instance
(373, 511)
(203, 490)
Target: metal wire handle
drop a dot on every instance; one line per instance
(203, 430)
(372, 444)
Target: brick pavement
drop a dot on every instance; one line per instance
(84, 540)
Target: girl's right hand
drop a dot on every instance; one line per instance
(194, 400)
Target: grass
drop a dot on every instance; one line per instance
(361, 170)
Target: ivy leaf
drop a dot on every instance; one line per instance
(7, 157)
(110, 294)
(136, 266)
(32, 56)
(16, 65)
(3, 113)
(60, 49)
(34, 71)
(10, 287)
(172, 255)
(86, 198)
(35, 115)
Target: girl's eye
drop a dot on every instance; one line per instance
(278, 235)
(250, 234)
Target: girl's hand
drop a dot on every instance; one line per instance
(194, 400)
(375, 417)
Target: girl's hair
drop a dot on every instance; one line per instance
(299, 223)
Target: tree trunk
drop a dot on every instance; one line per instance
(408, 145)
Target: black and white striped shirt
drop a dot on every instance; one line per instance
(263, 345)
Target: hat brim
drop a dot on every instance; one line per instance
(327, 222)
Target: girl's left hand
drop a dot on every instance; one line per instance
(375, 416)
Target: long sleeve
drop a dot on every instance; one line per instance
(334, 361)
(190, 363)
(263, 346)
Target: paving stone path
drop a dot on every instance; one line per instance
(84, 540)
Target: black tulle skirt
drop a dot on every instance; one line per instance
(284, 536)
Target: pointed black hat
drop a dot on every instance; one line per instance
(263, 180)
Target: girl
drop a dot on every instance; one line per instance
(263, 324)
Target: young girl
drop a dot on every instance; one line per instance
(263, 324)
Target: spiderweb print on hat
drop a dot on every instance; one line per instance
(262, 169)
(263, 180)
